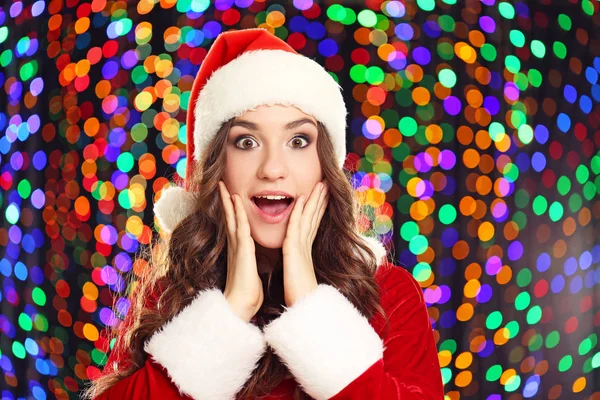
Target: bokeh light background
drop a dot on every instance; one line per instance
(473, 140)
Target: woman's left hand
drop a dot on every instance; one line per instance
(299, 277)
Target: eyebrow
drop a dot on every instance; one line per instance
(289, 126)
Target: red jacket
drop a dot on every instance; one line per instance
(332, 350)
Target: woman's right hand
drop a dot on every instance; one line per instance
(243, 289)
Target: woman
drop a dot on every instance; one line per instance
(278, 297)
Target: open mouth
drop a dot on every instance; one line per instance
(272, 206)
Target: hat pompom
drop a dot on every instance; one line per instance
(174, 205)
(377, 248)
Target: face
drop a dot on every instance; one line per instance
(271, 148)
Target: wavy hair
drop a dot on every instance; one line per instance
(194, 257)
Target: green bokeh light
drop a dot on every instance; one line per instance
(534, 315)
(407, 126)
(506, 10)
(367, 18)
(517, 38)
(447, 78)
(38, 296)
(493, 320)
(522, 301)
(447, 214)
(418, 244)
(560, 50)
(565, 22)
(409, 230)
(538, 48)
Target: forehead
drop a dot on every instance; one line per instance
(289, 125)
(274, 116)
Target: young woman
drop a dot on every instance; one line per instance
(256, 296)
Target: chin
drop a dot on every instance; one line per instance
(269, 243)
(269, 239)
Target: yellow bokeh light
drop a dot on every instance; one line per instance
(107, 190)
(464, 360)
(486, 231)
(465, 52)
(579, 384)
(465, 312)
(275, 19)
(143, 101)
(82, 25)
(90, 291)
(471, 288)
(463, 379)
(163, 68)
(444, 357)
(138, 192)
(90, 332)
(501, 336)
(134, 225)
(145, 6)
(434, 134)
(411, 186)
(172, 35)
(171, 103)
(82, 67)
(143, 32)
(507, 375)
(419, 210)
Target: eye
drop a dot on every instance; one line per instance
(243, 139)
(303, 137)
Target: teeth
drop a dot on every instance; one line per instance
(272, 197)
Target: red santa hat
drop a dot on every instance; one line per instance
(242, 70)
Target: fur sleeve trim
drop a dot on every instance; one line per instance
(207, 350)
(325, 341)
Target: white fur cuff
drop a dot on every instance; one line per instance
(325, 342)
(208, 351)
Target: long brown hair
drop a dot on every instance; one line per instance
(194, 257)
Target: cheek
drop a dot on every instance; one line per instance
(309, 173)
(314, 168)
(235, 174)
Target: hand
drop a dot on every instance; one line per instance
(299, 277)
(243, 289)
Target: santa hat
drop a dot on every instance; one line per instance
(242, 70)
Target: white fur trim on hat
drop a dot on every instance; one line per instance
(377, 248)
(325, 342)
(174, 205)
(208, 351)
(267, 77)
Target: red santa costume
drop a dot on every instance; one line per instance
(331, 349)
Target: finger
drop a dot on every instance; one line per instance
(319, 212)
(312, 201)
(312, 209)
(295, 215)
(243, 228)
(323, 209)
(228, 207)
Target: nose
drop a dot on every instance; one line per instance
(273, 164)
